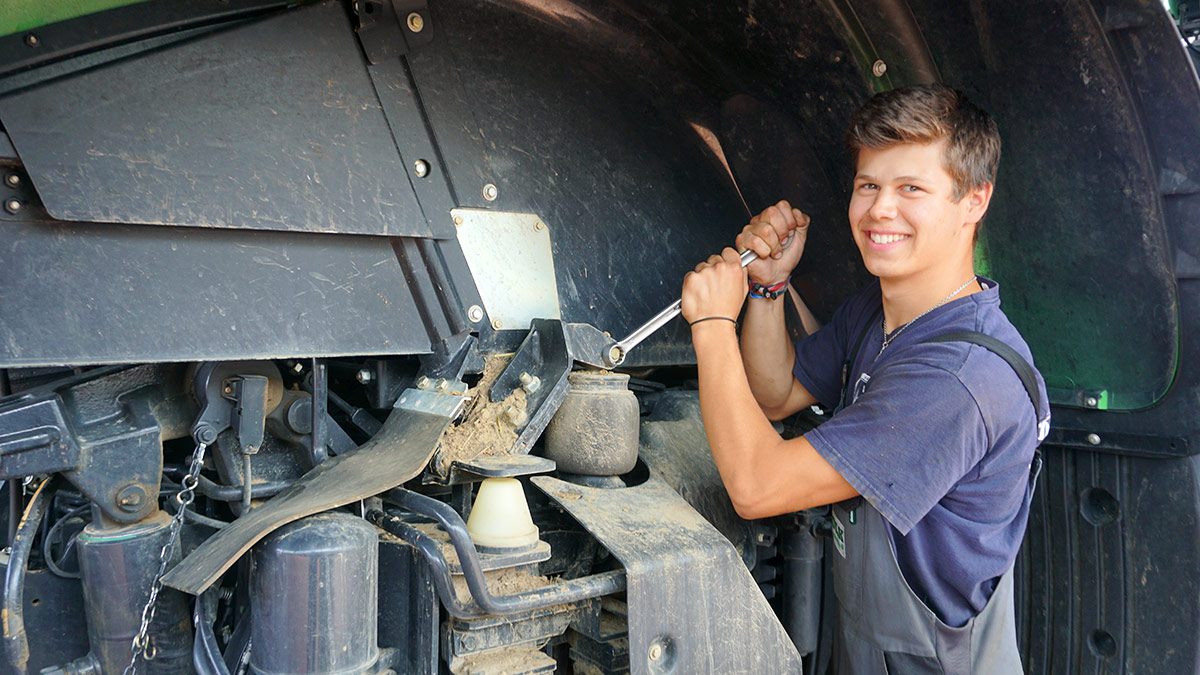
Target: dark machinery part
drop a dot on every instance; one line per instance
(12, 617)
(396, 454)
(103, 430)
(679, 567)
(118, 567)
(803, 550)
(595, 431)
(313, 603)
(484, 602)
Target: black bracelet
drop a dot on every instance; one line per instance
(710, 318)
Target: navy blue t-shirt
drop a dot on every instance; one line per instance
(939, 438)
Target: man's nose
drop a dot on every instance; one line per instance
(884, 206)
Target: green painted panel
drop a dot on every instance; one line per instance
(21, 15)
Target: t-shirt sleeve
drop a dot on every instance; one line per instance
(906, 441)
(819, 360)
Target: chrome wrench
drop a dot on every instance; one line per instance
(615, 354)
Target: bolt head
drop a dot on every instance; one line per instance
(655, 652)
(12, 179)
(879, 68)
(515, 415)
(458, 221)
(298, 367)
(475, 313)
(1091, 402)
(32, 40)
(497, 324)
(363, 376)
(131, 497)
(490, 192)
(416, 22)
(442, 384)
(12, 206)
(206, 434)
(539, 226)
(421, 168)
(1094, 439)
(423, 382)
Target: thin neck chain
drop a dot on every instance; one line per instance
(888, 339)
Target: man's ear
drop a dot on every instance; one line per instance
(977, 201)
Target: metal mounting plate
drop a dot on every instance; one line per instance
(510, 258)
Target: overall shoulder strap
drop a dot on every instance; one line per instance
(1015, 361)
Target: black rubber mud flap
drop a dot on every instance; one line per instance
(396, 454)
(693, 606)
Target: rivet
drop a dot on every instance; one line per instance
(13, 180)
(475, 313)
(32, 40)
(1094, 439)
(496, 323)
(421, 168)
(655, 652)
(416, 23)
(490, 192)
(879, 68)
(1091, 402)
(12, 206)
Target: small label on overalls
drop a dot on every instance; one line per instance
(839, 535)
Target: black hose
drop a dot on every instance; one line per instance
(12, 619)
(49, 539)
(565, 591)
(233, 493)
(192, 517)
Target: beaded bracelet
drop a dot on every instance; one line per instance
(761, 292)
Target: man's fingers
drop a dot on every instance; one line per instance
(802, 219)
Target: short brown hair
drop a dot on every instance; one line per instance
(928, 113)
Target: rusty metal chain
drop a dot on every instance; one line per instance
(142, 646)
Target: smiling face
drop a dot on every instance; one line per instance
(904, 218)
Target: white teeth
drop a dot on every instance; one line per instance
(887, 238)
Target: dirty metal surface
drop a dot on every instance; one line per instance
(692, 602)
(272, 125)
(130, 294)
(509, 256)
(397, 453)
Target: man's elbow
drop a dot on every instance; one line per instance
(752, 504)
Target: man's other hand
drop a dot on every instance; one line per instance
(717, 287)
(766, 234)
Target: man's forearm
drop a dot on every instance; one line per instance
(767, 352)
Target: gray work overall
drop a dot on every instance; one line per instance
(881, 626)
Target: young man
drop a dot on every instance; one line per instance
(938, 438)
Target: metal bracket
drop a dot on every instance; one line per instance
(249, 394)
(544, 355)
(679, 568)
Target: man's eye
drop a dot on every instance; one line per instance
(868, 186)
(911, 188)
